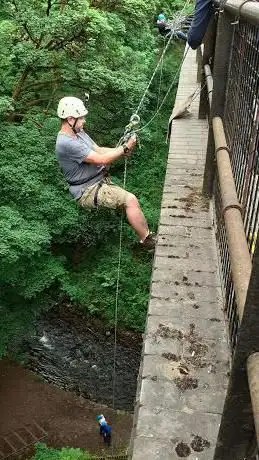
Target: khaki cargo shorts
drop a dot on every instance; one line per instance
(109, 195)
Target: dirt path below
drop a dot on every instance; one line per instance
(69, 420)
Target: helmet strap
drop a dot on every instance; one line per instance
(73, 127)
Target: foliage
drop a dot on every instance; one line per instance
(92, 283)
(50, 49)
(47, 453)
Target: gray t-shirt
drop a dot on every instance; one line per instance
(70, 152)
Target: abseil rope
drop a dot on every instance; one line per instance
(117, 293)
(153, 75)
(127, 130)
(160, 78)
(117, 296)
(121, 225)
(120, 239)
(167, 93)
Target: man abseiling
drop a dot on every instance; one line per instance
(84, 164)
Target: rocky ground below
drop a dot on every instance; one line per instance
(68, 381)
(76, 353)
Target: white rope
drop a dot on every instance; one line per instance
(198, 91)
(177, 22)
(120, 243)
(117, 294)
(168, 91)
(186, 4)
(121, 229)
(121, 220)
(153, 75)
(160, 79)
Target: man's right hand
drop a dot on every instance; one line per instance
(131, 143)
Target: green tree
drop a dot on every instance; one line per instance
(51, 49)
(47, 453)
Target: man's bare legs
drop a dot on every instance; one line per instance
(136, 217)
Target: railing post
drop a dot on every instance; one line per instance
(204, 106)
(199, 64)
(207, 57)
(236, 433)
(220, 74)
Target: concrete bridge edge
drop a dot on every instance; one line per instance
(184, 370)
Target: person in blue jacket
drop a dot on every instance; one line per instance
(203, 13)
(105, 429)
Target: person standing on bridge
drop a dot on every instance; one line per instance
(85, 163)
(203, 13)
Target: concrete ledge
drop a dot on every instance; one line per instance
(185, 361)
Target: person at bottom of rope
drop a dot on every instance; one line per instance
(84, 164)
(105, 429)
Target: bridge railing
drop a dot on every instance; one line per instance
(230, 99)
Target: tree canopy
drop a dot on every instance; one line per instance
(52, 48)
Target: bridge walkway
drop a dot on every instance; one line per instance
(185, 363)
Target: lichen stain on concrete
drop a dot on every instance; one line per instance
(168, 333)
(186, 383)
(183, 450)
(198, 444)
(171, 356)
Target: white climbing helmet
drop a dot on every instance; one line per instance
(71, 107)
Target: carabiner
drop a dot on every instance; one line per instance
(134, 119)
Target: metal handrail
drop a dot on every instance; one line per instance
(240, 259)
(245, 10)
(231, 209)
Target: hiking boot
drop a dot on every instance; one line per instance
(149, 242)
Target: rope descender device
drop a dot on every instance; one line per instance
(131, 127)
(134, 122)
(135, 119)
